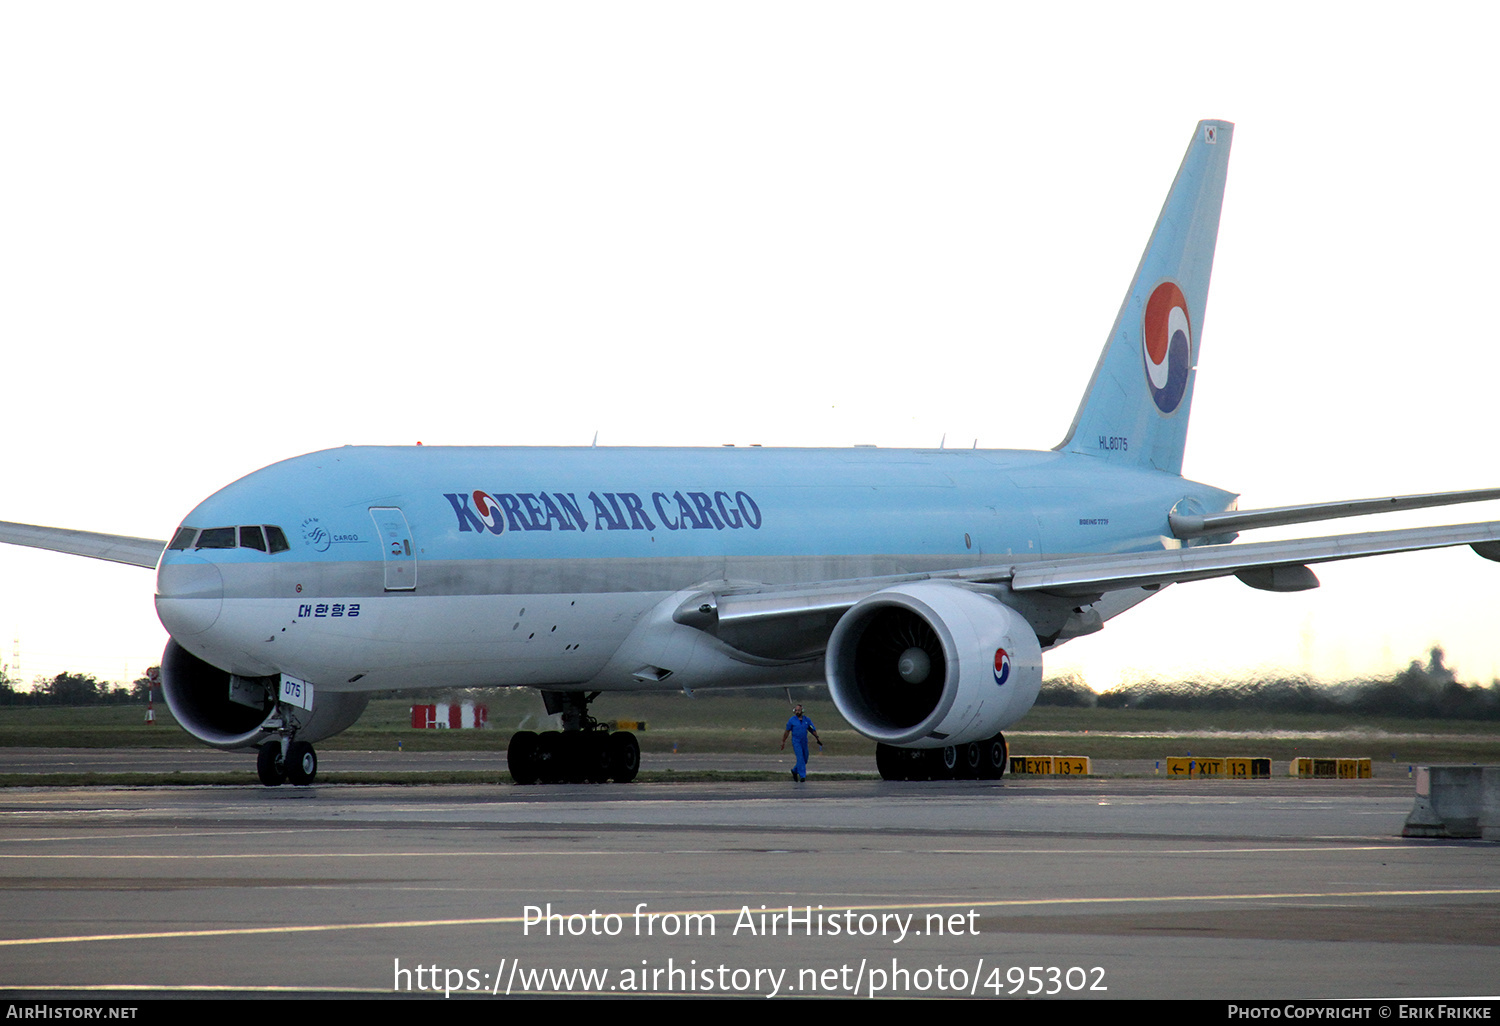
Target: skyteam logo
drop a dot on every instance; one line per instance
(1166, 346)
(1002, 666)
(316, 535)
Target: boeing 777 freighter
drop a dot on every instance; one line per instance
(921, 586)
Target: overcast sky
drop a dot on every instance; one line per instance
(234, 233)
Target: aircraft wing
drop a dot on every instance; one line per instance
(116, 548)
(789, 620)
(1193, 526)
(1091, 575)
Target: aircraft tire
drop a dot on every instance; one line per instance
(550, 757)
(301, 763)
(890, 762)
(945, 763)
(520, 757)
(268, 765)
(996, 758)
(597, 766)
(624, 756)
(574, 746)
(971, 760)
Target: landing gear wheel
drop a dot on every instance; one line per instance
(583, 750)
(996, 758)
(520, 756)
(624, 756)
(301, 763)
(945, 765)
(574, 746)
(971, 760)
(890, 762)
(550, 767)
(908, 763)
(596, 766)
(268, 765)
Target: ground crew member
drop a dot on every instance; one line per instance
(797, 728)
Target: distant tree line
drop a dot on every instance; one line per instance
(1430, 691)
(72, 689)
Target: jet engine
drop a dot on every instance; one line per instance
(932, 664)
(226, 711)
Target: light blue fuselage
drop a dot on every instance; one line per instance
(564, 567)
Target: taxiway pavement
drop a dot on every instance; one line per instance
(1149, 888)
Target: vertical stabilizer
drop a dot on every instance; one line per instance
(1137, 403)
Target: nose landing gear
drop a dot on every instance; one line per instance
(301, 763)
(279, 761)
(283, 760)
(269, 764)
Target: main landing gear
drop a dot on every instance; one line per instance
(282, 760)
(583, 751)
(977, 760)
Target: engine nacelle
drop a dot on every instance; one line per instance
(930, 664)
(198, 695)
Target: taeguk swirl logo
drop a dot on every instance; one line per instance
(1166, 346)
(1002, 666)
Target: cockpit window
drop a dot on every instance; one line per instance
(260, 537)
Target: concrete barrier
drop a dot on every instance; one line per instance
(1456, 801)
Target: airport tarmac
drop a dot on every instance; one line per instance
(209, 760)
(1089, 888)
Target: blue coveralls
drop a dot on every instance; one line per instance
(799, 726)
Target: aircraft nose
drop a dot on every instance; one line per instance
(189, 595)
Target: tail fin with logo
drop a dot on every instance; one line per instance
(1136, 407)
